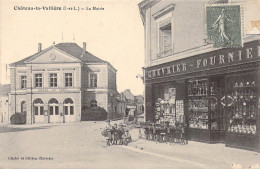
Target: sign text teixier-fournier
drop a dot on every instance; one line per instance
(216, 60)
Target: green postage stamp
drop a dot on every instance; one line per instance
(224, 25)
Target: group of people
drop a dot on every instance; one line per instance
(116, 135)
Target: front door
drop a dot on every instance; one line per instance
(54, 113)
(38, 114)
(69, 113)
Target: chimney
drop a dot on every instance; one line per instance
(39, 47)
(84, 46)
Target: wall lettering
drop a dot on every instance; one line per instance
(220, 59)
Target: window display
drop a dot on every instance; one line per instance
(179, 111)
(198, 103)
(241, 103)
(213, 107)
(166, 107)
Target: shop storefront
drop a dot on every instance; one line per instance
(215, 93)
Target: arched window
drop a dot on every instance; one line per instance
(23, 106)
(53, 101)
(93, 103)
(68, 107)
(38, 101)
(54, 106)
(38, 107)
(68, 101)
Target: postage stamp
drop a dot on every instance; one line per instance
(223, 24)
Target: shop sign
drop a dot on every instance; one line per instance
(215, 59)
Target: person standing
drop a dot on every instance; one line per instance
(115, 134)
(109, 133)
(121, 132)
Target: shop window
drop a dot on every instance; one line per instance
(241, 104)
(93, 80)
(165, 104)
(198, 103)
(23, 82)
(68, 79)
(93, 103)
(53, 80)
(38, 80)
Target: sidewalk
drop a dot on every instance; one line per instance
(210, 155)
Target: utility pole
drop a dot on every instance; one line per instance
(31, 98)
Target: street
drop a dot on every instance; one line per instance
(80, 145)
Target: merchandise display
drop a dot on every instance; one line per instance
(242, 111)
(167, 108)
(198, 104)
(203, 104)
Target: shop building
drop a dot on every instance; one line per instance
(54, 84)
(214, 91)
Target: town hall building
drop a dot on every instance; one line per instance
(53, 85)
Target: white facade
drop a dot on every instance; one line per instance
(54, 84)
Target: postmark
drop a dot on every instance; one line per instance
(223, 24)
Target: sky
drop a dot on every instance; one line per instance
(115, 34)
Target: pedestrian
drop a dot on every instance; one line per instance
(127, 138)
(121, 132)
(109, 133)
(115, 134)
(184, 138)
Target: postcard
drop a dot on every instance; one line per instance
(109, 84)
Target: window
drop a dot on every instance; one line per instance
(36, 109)
(164, 20)
(38, 106)
(93, 103)
(23, 106)
(23, 82)
(54, 108)
(93, 80)
(71, 110)
(68, 79)
(53, 80)
(165, 40)
(68, 107)
(38, 80)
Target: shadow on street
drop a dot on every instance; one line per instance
(13, 129)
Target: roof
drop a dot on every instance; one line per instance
(76, 51)
(5, 89)
(70, 48)
(139, 99)
(128, 95)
